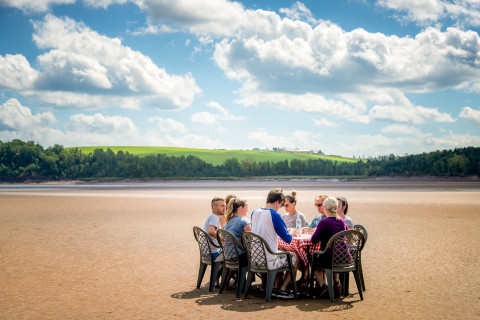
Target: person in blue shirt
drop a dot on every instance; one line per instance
(237, 222)
(319, 205)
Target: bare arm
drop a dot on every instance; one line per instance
(212, 231)
(248, 227)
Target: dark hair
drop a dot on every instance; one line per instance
(344, 204)
(292, 197)
(276, 195)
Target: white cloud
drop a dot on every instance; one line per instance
(418, 142)
(209, 118)
(299, 139)
(154, 29)
(409, 114)
(323, 123)
(30, 6)
(204, 117)
(103, 3)
(15, 117)
(18, 122)
(298, 11)
(84, 69)
(35, 6)
(16, 73)
(466, 12)
(98, 123)
(471, 114)
(223, 113)
(167, 125)
(219, 17)
(305, 103)
(453, 140)
(401, 129)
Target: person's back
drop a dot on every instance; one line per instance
(236, 225)
(326, 229)
(268, 224)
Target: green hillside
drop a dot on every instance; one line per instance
(217, 157)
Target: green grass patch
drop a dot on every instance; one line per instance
(217, 157)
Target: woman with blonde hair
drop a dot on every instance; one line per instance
(326, 228)
(237, 223)
(236, 220)
(319, 205)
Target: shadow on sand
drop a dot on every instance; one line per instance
(256, 301)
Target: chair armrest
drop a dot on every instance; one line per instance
(209, 238)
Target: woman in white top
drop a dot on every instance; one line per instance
(342, 210)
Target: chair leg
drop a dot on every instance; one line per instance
(213, 275)
(269, 288)
(345, 281)
(201, 273)
(294, 282)
(247, 285)
(312, 280)
(360, 271)
(241, 280)
(359, 284)
(329, 274)
(225, 271)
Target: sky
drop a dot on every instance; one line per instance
(354, 78)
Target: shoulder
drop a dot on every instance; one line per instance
(213, 218)
(275, 213)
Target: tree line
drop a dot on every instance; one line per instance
(28, 161)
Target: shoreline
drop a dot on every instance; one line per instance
(388, 183)
(299, 178)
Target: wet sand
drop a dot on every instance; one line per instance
(129, 253)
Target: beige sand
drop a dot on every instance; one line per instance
(131, 254)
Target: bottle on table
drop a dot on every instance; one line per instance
(298, 227)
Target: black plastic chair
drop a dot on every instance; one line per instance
(231, 259)
(204, 241)
(363, 230)
(345, 247)
(257, 249)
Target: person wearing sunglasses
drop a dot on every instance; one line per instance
(319, 205)
(291, 215)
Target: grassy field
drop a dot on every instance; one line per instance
(217, 157)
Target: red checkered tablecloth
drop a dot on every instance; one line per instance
(298, 246)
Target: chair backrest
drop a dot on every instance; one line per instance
(345, 246)
(230, 246)
(362, 229)
(203, 241)
(256, 248)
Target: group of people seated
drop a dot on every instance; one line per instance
(231, 214)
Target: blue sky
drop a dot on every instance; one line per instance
(352, 78)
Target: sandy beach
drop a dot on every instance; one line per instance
(128, 252)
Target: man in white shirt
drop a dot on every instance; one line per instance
(268, 223)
